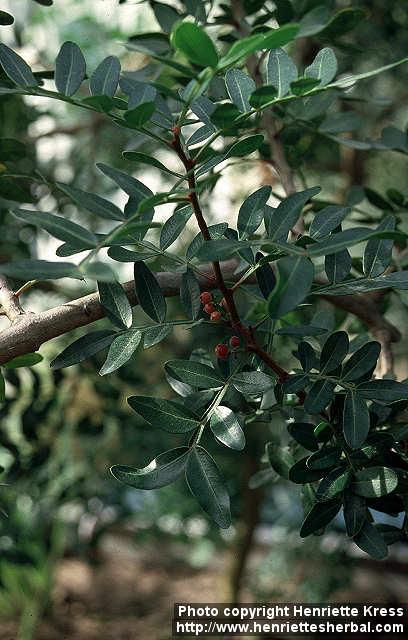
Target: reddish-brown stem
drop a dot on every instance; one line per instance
(236, 323)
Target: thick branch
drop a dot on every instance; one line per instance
(9, 302)
(33, 329)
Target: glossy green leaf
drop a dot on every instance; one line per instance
(323, 67)
(116, 304)
(334, 351)
(83, 348)
(133, 187)
(39, 270)
(302, 86)
(355, 512)
(271, 39)
(70, 69)
(356, 420)
(16, 68)
(26, 360)
(138, 116)
(266, 279)
(6, 18)
(338, 266)
(194, 373)
(325, 458)
(346, 239)
(244, 147)
(251, 212)
(374, 482)
(378, 252)
(383, 390)
(92, 202)
(327, 219)
(303, 433)
(334, 483)
(263, 96)
(149, 293)
(58, 227)
(307, 356)
(161, 471)
(361, 362)
(295, 383)
(121, 350)
(252, 382)
(164, 414)
(173, 226)
(294, 283)
(208, 486)
(239, 86)
(196, 45)
(190, 294)
(281, 71)
(370, 540)
(319, 396)
(319, 517)
(279, 221)
(226, 428)
(105, 79)
(155, 334)
(215, 230)
(300, 473)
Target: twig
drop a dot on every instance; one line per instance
(9, 303)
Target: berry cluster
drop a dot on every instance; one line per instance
(222, 350)
(209, 306)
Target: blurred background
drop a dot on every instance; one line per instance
(82, 555)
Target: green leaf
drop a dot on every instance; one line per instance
(356, 420)
(58, 227)
(164, 414)
(239, 86)
(361, 362)
(39, 270)
(295, 382)
(83, 348)
(342, 22)
(302, 86)
(252, 382)
(141, 114)
(327, 219)
(143, 158)
(334, 351)
(263, 96)
(319, 396)
(116, 304)
(375, 482)
(271, 39)
(244, 147)
(216, 231)
(338, 265)
(92, 202)
(173, 227)
(226, 428)
(324, 458)
(251, 211)
(149, 293)
(383, 390)
(378, 253)
(280, 459)
(194, 373)
(279, 221)
(266, 279)
(370, 540)
(70, 69)
(346, 239)
(307, 356)
(26, 360)
(196, 45)
(190, 294)
(219, 249)
(121, 350)
(281, 71)
(303, 433)
(16, 68)
(294, 283)
(155, 334)
(207, 484)
(355, 512)
(133, 187)
(323, 67)
(300, 473)
(334, 483)
(105, 79)
(98, 271)
(161, 471)
(11, 149)
(124, 255)
(319, 516)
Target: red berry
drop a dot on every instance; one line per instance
(206, 297)
(221, 351)
(235, 341)
(209, 308)
(215, 316)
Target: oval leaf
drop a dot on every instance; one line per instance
(207, 484)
